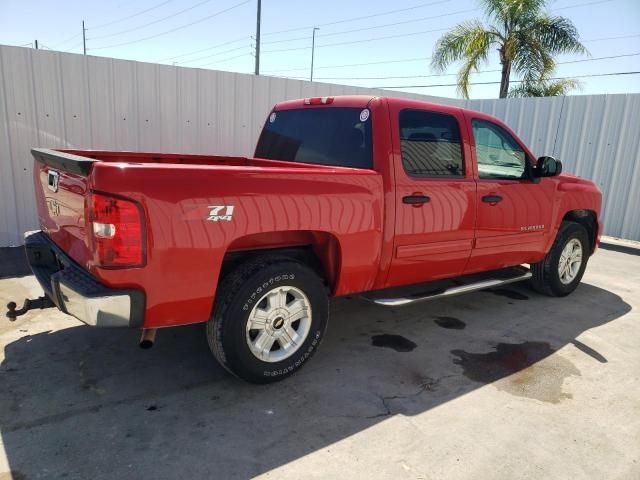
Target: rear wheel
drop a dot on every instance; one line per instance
(562, 269)
(269, 319)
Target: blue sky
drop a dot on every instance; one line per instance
(361, 52)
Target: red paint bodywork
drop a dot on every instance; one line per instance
(354, 219)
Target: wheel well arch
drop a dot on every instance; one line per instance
(586, 218)
(318, 250)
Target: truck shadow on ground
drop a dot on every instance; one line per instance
(13, 263)
(87, 403)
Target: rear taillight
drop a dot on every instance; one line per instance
(117, 231)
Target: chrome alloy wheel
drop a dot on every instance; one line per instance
(570, 261)
(279, 324)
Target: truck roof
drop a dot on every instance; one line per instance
(362, 101)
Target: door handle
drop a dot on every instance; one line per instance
(415, 199)
(492, 198)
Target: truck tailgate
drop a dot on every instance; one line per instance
(61, 187)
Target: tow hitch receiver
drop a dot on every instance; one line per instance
(29, 304)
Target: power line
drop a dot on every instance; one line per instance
(390, 12)
(354, 64)
(223, 60)
(613, 38)
(161, 4)
(204, 49)
(359, 41)
(404, 22)
(176, 28)
(350, 42)
(478, 72)
(56, 45)
(582, 4)
(175, 14)
(513, 81)
(214, 54)
(354, 19)
(75, 45)
(380, 26)
(415, 59)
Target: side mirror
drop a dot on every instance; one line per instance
(548, 167)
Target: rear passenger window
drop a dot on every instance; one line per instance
(430, 144)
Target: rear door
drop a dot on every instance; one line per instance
(434, 195)
(514, 213)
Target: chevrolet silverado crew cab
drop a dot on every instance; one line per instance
(344, 195)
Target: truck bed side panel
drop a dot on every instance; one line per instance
(188, 239)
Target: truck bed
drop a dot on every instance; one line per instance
(275, 203)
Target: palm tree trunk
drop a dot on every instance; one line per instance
(504, 81)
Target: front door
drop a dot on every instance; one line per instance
(514, 213)
(435, 197)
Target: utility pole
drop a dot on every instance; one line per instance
(258, 38)
(84, 39)
(313, 49)
(36, 44)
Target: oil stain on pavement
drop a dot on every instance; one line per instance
(395, 342)
(452, 323)
(526, 369)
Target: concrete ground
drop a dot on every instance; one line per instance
(496, 384)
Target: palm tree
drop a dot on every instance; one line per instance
(545, 87)
(526, 37)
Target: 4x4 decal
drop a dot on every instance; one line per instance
(220, 212)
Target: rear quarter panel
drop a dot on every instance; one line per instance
(186, 250)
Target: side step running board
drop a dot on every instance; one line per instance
(448, 292)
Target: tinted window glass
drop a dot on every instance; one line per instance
(324, 135)
(498, 154)
(430, 144)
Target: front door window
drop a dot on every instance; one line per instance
(497, 152)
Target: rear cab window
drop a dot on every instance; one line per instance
(339, 136)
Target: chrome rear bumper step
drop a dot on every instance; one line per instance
(520, 274)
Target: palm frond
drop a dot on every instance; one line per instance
(468, 40)
(530, 59)
(511, 12)
(527, 39)
(545, 88)
(557, 35)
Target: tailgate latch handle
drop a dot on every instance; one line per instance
(53, 178)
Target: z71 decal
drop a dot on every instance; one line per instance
(220, 212)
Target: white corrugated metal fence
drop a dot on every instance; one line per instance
(54, 99)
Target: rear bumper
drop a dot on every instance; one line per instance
(76, 292)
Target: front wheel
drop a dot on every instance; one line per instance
(561, 270)
(269, 319)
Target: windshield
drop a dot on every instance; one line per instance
(325, 136)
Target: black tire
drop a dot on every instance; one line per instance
(546, 277)
(238, 294)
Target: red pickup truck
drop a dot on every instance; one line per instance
(344, 195)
